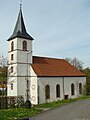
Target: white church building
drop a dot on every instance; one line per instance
(39, 79)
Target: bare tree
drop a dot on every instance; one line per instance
(75, 62)
(3, 61)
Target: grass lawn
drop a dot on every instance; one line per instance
(11, 114)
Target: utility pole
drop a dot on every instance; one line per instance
(27, 89)
(28, 102)
(27, 80)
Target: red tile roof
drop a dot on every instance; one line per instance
(43, 66)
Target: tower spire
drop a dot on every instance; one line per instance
(20, 29)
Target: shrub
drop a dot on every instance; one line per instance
(27, 104)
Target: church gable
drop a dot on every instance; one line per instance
(43, 66)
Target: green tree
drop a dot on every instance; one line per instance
(3, 70)
(87, 85)
(3, 80)
(3, 74)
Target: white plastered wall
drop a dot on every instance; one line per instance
(75, 80)
(19, 54)
(52, 82)
(65, 87)
(33, 87)
(19, 64)
(14, 91)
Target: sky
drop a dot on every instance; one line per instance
(60, 28)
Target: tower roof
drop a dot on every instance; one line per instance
(20, 30)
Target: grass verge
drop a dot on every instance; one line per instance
(60, 102)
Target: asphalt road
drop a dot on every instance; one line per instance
(72, 111)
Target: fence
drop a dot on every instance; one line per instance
(10, 102)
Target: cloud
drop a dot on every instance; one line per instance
(60, 27)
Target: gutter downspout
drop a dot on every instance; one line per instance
(63, 89)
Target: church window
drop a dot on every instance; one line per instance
(47, 92)
(80, 88)
(12, 46)
(11, 56)
(72, 89)
(11, 86)
(24, 45)
(11, 69)
(57, 91)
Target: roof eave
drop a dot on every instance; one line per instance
(12, 37)
(62, 76)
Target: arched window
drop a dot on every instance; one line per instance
(24, 45)
(47, 92)
(80, 88)
(11, 86)
(72, 89)
(12, 46)
(57, 91)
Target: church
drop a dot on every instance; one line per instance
(39, 79)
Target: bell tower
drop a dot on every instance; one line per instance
(19, 58)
